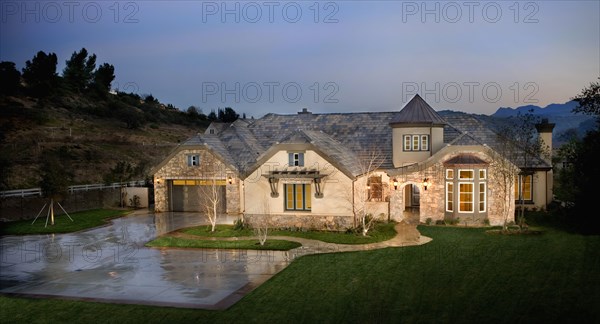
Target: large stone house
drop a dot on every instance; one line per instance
(322, 170)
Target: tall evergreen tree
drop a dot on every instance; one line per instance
(40, 75)
(103, 77)
(79, 72)
(10, 78)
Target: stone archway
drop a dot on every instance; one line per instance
(411, 202)
(404, 205)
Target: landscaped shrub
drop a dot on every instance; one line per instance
(486, 221)
(440, 222)
(239, 224)
(428, 221)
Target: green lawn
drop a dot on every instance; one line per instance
(169, 241)
(464, 275)
(381, 232)
(62, 224)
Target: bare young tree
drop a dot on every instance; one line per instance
(503, 173)
(211, 189)
(261, 223)
(519, 148)
(369, 163)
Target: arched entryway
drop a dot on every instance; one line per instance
(411, 195)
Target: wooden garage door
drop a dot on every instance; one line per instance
(194, 195)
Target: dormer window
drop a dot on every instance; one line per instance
(296, 159)
(211, 131)
(416, 142)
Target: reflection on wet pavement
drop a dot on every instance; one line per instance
(111, 264)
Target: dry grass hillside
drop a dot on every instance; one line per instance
(89, 138)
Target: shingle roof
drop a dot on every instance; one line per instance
(344, 137)
(417, 111)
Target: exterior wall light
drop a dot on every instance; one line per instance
(426, 183)
(395, 183)
(230, 180)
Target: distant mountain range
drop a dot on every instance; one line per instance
(565, 109)
(560, 114)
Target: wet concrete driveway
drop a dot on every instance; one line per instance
(111, 264)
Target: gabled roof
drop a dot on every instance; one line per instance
(417, 112)
(344, 137)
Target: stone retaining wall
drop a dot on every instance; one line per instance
(308, 222)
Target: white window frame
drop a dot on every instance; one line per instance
(407, 142)
(472, 197)
(484, 174)
(425, 144)
(418, 142)
(450, 183)
(448, 171)
(472, 173)
(484, 200)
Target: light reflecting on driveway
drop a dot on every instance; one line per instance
(111, 264)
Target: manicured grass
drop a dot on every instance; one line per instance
(381, 232)
(464, 275)
(62, 224)
(169, 241)
(220, 231)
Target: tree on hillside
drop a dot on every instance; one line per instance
(40, 75)
(227, 115)
(212, 116)
(10, 78)
(79, 72)
(103, 77)
(582, 171)
(589, 100)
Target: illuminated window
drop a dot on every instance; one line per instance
(449, 196)
(297, 197)
(482, 197)
(465, 174)
(465, 196)
(470, 192)
(524, 186)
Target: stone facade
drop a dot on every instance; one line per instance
(433, 200)
(210, 168)
(306, 222)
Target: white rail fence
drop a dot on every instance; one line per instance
(97, 186)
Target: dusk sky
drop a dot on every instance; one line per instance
(327, 56)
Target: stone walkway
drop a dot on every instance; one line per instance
(111, 264)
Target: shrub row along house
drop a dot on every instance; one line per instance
(328, 170)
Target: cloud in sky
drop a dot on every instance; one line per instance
(328, 56)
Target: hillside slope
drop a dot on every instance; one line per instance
(91, 136)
